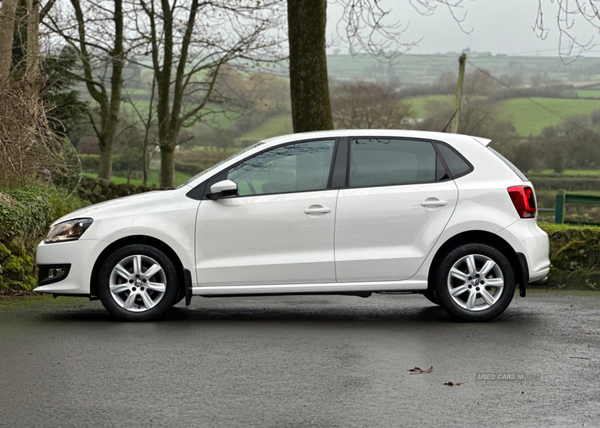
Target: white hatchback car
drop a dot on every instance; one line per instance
(349, 212)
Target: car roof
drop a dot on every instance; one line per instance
(450, 138)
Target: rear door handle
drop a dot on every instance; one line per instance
(433, 202)
(317, 209)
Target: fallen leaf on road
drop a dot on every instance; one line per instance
(418, 370)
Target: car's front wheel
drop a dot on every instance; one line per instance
(475, 282)
(138, 283)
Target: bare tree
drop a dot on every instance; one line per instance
(33, 65)
(95, 30)
(567, 16)
(364, 25)
(189, 42)
(366, 105)
(309, 88)
(28, 42)
(7, 24)
(148, 122)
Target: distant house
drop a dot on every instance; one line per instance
(89, 146)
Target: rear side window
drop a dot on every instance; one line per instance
(510, 165)
(388, 162)
(457, 165)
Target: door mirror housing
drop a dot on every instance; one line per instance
(222, 189)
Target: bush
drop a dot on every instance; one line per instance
(565, 182)
(195, 161)
(25, 214)
(28, 145)
(91, 163)
(575, 256)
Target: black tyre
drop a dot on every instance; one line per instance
(138, 283)
(475, 282)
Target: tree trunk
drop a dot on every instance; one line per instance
(33, 71)
(311, 108)
(145, 164)
(105, 159)
(7, 24)
(167, 166)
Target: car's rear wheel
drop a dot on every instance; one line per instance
(475, 282)
(138, 283)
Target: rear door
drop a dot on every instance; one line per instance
(397, 201)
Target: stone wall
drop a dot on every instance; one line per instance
(575, 257)
(98, 190)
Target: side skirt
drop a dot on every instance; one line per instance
(331, 288)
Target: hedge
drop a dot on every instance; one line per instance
(25, 214)
(575, 256)
(91, 163)
(566, 182)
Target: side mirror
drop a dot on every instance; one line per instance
(222, 189)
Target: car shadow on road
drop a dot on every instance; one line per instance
(285, 313)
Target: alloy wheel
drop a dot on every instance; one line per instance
(137, 283)
(475, 282)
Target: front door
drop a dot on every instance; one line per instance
(396, 205)
(279, 230)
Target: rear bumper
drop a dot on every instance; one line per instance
(532, 243)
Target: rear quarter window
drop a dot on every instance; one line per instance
(456, 163)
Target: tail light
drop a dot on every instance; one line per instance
(523, 200)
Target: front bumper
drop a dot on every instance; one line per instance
(80, 255)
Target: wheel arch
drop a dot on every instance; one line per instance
(137, 239)
(516, 260)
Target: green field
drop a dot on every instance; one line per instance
(180, 177)
(530, 119)
(426, 69)
(419, 104)
(573, 172)
(588, 93)
(218, 120)
(276, 125)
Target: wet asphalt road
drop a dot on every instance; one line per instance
(326, 361)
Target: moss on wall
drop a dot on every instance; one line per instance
(575, 257)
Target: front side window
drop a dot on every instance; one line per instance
(389, 162)
(297, 167)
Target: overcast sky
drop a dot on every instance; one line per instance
(498, 26)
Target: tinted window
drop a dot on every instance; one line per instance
(388, 162)
(293, 168)
(458, 166)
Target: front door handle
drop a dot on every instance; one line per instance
(433, 202)
(317, 209)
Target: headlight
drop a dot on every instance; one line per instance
(70, 230)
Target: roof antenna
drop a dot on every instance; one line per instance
(450, 121)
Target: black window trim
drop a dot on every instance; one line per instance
(201, 190)
(337, 169)
(448, 170)
(339, 172)
(426, 140)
